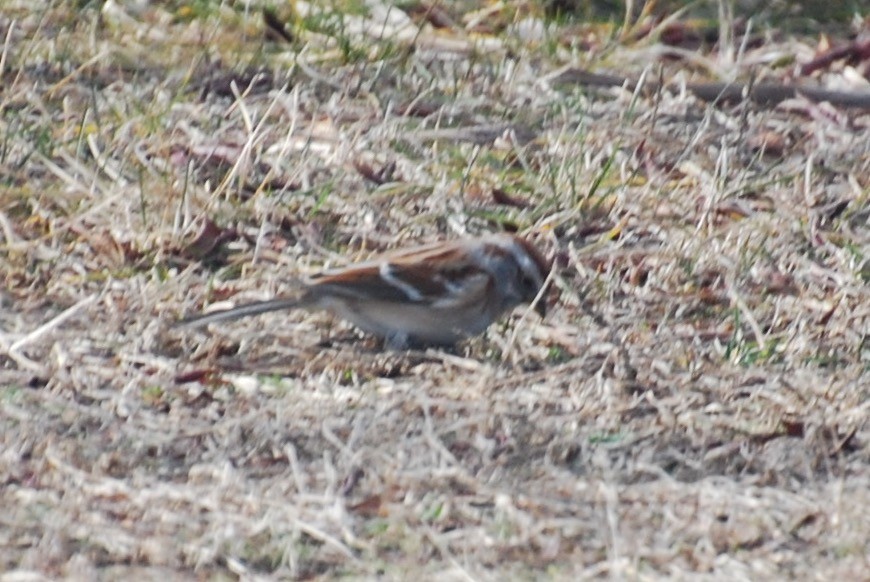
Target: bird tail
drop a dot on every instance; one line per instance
(245, 310)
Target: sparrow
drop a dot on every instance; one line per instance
(436, 294)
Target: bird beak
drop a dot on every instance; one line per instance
(541, 306)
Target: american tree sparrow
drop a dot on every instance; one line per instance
(434, 294)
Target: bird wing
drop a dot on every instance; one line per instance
(404, 279)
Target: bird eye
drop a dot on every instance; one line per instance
(529, 285)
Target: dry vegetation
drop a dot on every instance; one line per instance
(695, 405)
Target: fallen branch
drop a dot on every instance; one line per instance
(767, 94)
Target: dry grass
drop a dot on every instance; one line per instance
(695, 406)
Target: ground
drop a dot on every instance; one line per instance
(694, 405)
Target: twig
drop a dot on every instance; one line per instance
(40, 331)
